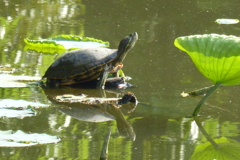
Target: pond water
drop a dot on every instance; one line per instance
(162, 120)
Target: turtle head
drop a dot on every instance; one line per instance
(126, 45)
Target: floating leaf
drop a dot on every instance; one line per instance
(228, 150)
(11, 103)
(9, 81)
(217, 57)
(70, 41)
(227, 21)
(61, 43)
(10, 108)
(14, 113)
(47, 47)
(21, 139)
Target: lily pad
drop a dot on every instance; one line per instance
(61, 43)
(70, 41)
(9, 81)
(21, 139)
(217, 57)
(13, 113)
(10, 108)
(23, 104)
(228, 150)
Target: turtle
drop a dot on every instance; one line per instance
(89, 64)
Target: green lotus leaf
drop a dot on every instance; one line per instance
(79, 39)
(61, 43)
(44, 46)
(228, 150)
(217, 57)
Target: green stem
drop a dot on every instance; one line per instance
(205, 133)
(195, 112)
(200, 91)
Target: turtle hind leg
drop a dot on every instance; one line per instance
(53, 83)
(103, 76)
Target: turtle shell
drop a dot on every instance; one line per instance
(80, 65)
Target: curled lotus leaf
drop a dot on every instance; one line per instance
(217, 57)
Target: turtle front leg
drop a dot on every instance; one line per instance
(103, 76)
(115, 69)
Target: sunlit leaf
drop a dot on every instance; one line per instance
(70, 41)
(10, 108)
(217, 57)
(21, 139)
(61, 43)
(11, 103)
(13, 81)
(16, 113)
(47, 47)
(228, 150)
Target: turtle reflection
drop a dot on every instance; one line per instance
(91, 109)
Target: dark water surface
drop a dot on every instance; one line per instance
(162, 122)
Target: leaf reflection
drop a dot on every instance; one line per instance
(220, 149)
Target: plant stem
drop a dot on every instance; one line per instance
(215, 145)
(200, 91)
(195, 112)
(197, 109)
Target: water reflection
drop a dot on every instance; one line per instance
(158, 70)
(92, 109)
(220, 148)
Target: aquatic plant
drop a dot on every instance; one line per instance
(21, 139)
(228, 150)
(62, 43)
(217, 57)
